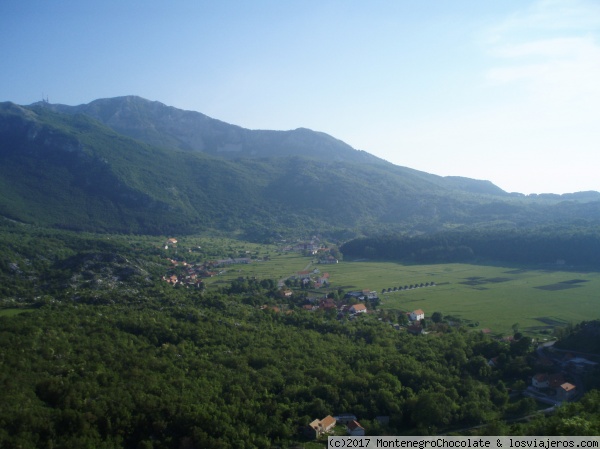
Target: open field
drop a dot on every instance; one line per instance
(497, 297)
(12, 312)
(280, 266)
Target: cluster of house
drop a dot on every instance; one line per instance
(193, 274)
(342, 306)
(323, 426)
(170, 242)
(315, 277)
(556, 384)
(565, 391)
(312, 247)
(330, 304)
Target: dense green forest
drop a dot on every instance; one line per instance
(565, 245)
(97, 351)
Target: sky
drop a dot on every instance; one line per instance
(504, 91)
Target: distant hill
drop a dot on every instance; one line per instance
(72, 170)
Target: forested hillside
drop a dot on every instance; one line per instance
(99, 351)
(71, 171)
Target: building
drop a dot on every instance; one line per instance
(416, 315)
(540, 381)
(327, 423)
(565, 392)
(345, 418)
(358, 308)
(355, 429)
(320, 426)
(415, 329)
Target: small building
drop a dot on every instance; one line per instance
(320, 426)
(355, 429)
(552, 381)
(312, 430)
(493, 362)
(580, 365)
(416, 315)
(565, 392)
(327, 423)
(540, 381)
(358, 308)
(415, 329)
(345, 418)
(370, 294)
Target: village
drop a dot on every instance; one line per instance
(558, 376)
(298, 286)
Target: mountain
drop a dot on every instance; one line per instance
(165, 126)
(79, 171)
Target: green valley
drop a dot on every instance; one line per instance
(168, 280)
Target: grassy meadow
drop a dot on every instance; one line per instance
(496, 297)
(13, 312)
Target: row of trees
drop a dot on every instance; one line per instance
(407, 287)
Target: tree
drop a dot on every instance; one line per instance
(436, 317)
(521, 347)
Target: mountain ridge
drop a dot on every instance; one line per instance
(72, 170)
(158, 124)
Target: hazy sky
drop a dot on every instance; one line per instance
(507, 91)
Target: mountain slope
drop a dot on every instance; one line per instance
(160, 125)
(71, 171)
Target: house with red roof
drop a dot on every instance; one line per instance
(416, 315)
(320, 426)
(355, 429)
(358, 308)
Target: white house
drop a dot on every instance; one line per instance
(327, 423)
(417, 315)
(358, 308)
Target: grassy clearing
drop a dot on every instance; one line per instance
(280, 266)
(496, 297)
(13, 312)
